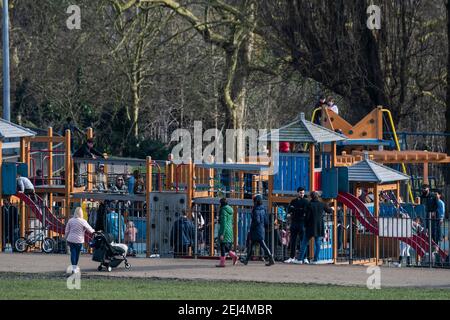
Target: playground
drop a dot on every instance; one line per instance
(360, 171)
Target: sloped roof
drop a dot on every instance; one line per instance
(303, 130)
(12, 130)
(371, 171)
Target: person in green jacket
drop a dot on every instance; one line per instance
(226, 233)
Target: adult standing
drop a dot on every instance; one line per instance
(182, 235)
(226, 232)
(440, 216)
(297, 214)
(257, 231)
(75, 230)
(314, 227)
(429, 200)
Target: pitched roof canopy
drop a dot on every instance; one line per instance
(371, 171)
(303, 130)
(12, 130)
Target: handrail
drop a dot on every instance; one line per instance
(313, 117)
(394, 133)
(314, 113)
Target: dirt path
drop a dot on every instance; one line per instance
(255, 271)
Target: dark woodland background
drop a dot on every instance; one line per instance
(137, 70)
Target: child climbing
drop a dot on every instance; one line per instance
(226, 233)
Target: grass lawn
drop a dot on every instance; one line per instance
(20, 286)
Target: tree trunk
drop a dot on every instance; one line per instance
(447, 110)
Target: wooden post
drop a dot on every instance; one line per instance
(90, 167)
(333, 154)
(148, 190)
(241, 184)
(425, 173)
(376, 214)
(50, 170)
(23, 158)
(190, 187)
(335, 248)
(312, 155)
(168, 174)
(235, 227)
(211, 175)
(50, 165)
(68, 174)
(254, 185)
(311, 166)
(27, 159)
(344, 238)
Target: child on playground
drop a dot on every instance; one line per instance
(130, 237)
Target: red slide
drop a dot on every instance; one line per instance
(369, 222)
(51, 220)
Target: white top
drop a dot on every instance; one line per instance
(23, 183)
(334, 108)
(75, 229)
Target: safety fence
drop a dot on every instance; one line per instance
(408, 238)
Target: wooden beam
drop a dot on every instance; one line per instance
(387, 187)
(47, 139)
(148, 189)
(68, 174)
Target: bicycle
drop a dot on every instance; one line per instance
(47, 244)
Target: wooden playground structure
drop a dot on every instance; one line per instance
(317, 166)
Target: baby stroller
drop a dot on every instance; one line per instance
(109, 254)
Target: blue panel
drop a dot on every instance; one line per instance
(306, 174)
(329, 183)
(293, 171)
(22, 169)
(326, 248)
(343, 183)
(9, 175)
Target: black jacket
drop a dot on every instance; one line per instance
(430, 202)
(85, 152)
(314, 218)
(101, 218)
(297, 210)
(182, 234)
(259, 221)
